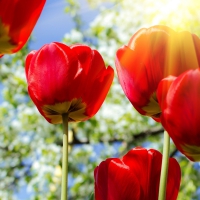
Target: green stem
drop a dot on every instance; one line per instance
(164, 168)
(65, 158)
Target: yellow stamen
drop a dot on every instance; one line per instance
(153, 108)
(191, 151)
(75, 109)
(6, 46)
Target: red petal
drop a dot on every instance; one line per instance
(132, 79)
(115, 181)
(137, 160)
(154, 169)
(153, 54)
(181, 114)
(28, 61)
(140, 66)
(57, 73)
(38, 104)
(91, 61)
(96, 92)
(146, 166)
(163, 88)
(51, 73)
(84, 57)
(173, 181)
(96, 78)
(21, 17)
(183, 43)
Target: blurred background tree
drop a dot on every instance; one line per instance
(30, 147)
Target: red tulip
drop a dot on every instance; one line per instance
(135, 176)
(17, 20)
(67, 79)
(181, 111)
(151, 55)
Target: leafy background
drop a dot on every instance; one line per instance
(30, 147)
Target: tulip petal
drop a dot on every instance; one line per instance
(137, 160)
(63, 79)
(162, 90)
(5, 45)
(173, 179)
(147, 168)
(154, 170)
(114, 181)
(84, 56)
(97, 91)
(28, 62)
(17, 20)
(97, 80)
(137, 173)
(186, 54)
(49, 83)
(151, 55)
(181, 116)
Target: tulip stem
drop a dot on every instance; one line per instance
(164, 168)
(64, 185)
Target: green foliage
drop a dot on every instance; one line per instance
(30, 147)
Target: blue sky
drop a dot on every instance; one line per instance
(54, 22)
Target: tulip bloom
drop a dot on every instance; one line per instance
(17, 20)
(135, 176)
(151, 55)
(181, 111)
(67, 79)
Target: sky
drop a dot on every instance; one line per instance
(54, 22)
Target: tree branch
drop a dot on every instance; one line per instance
(141, 135)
